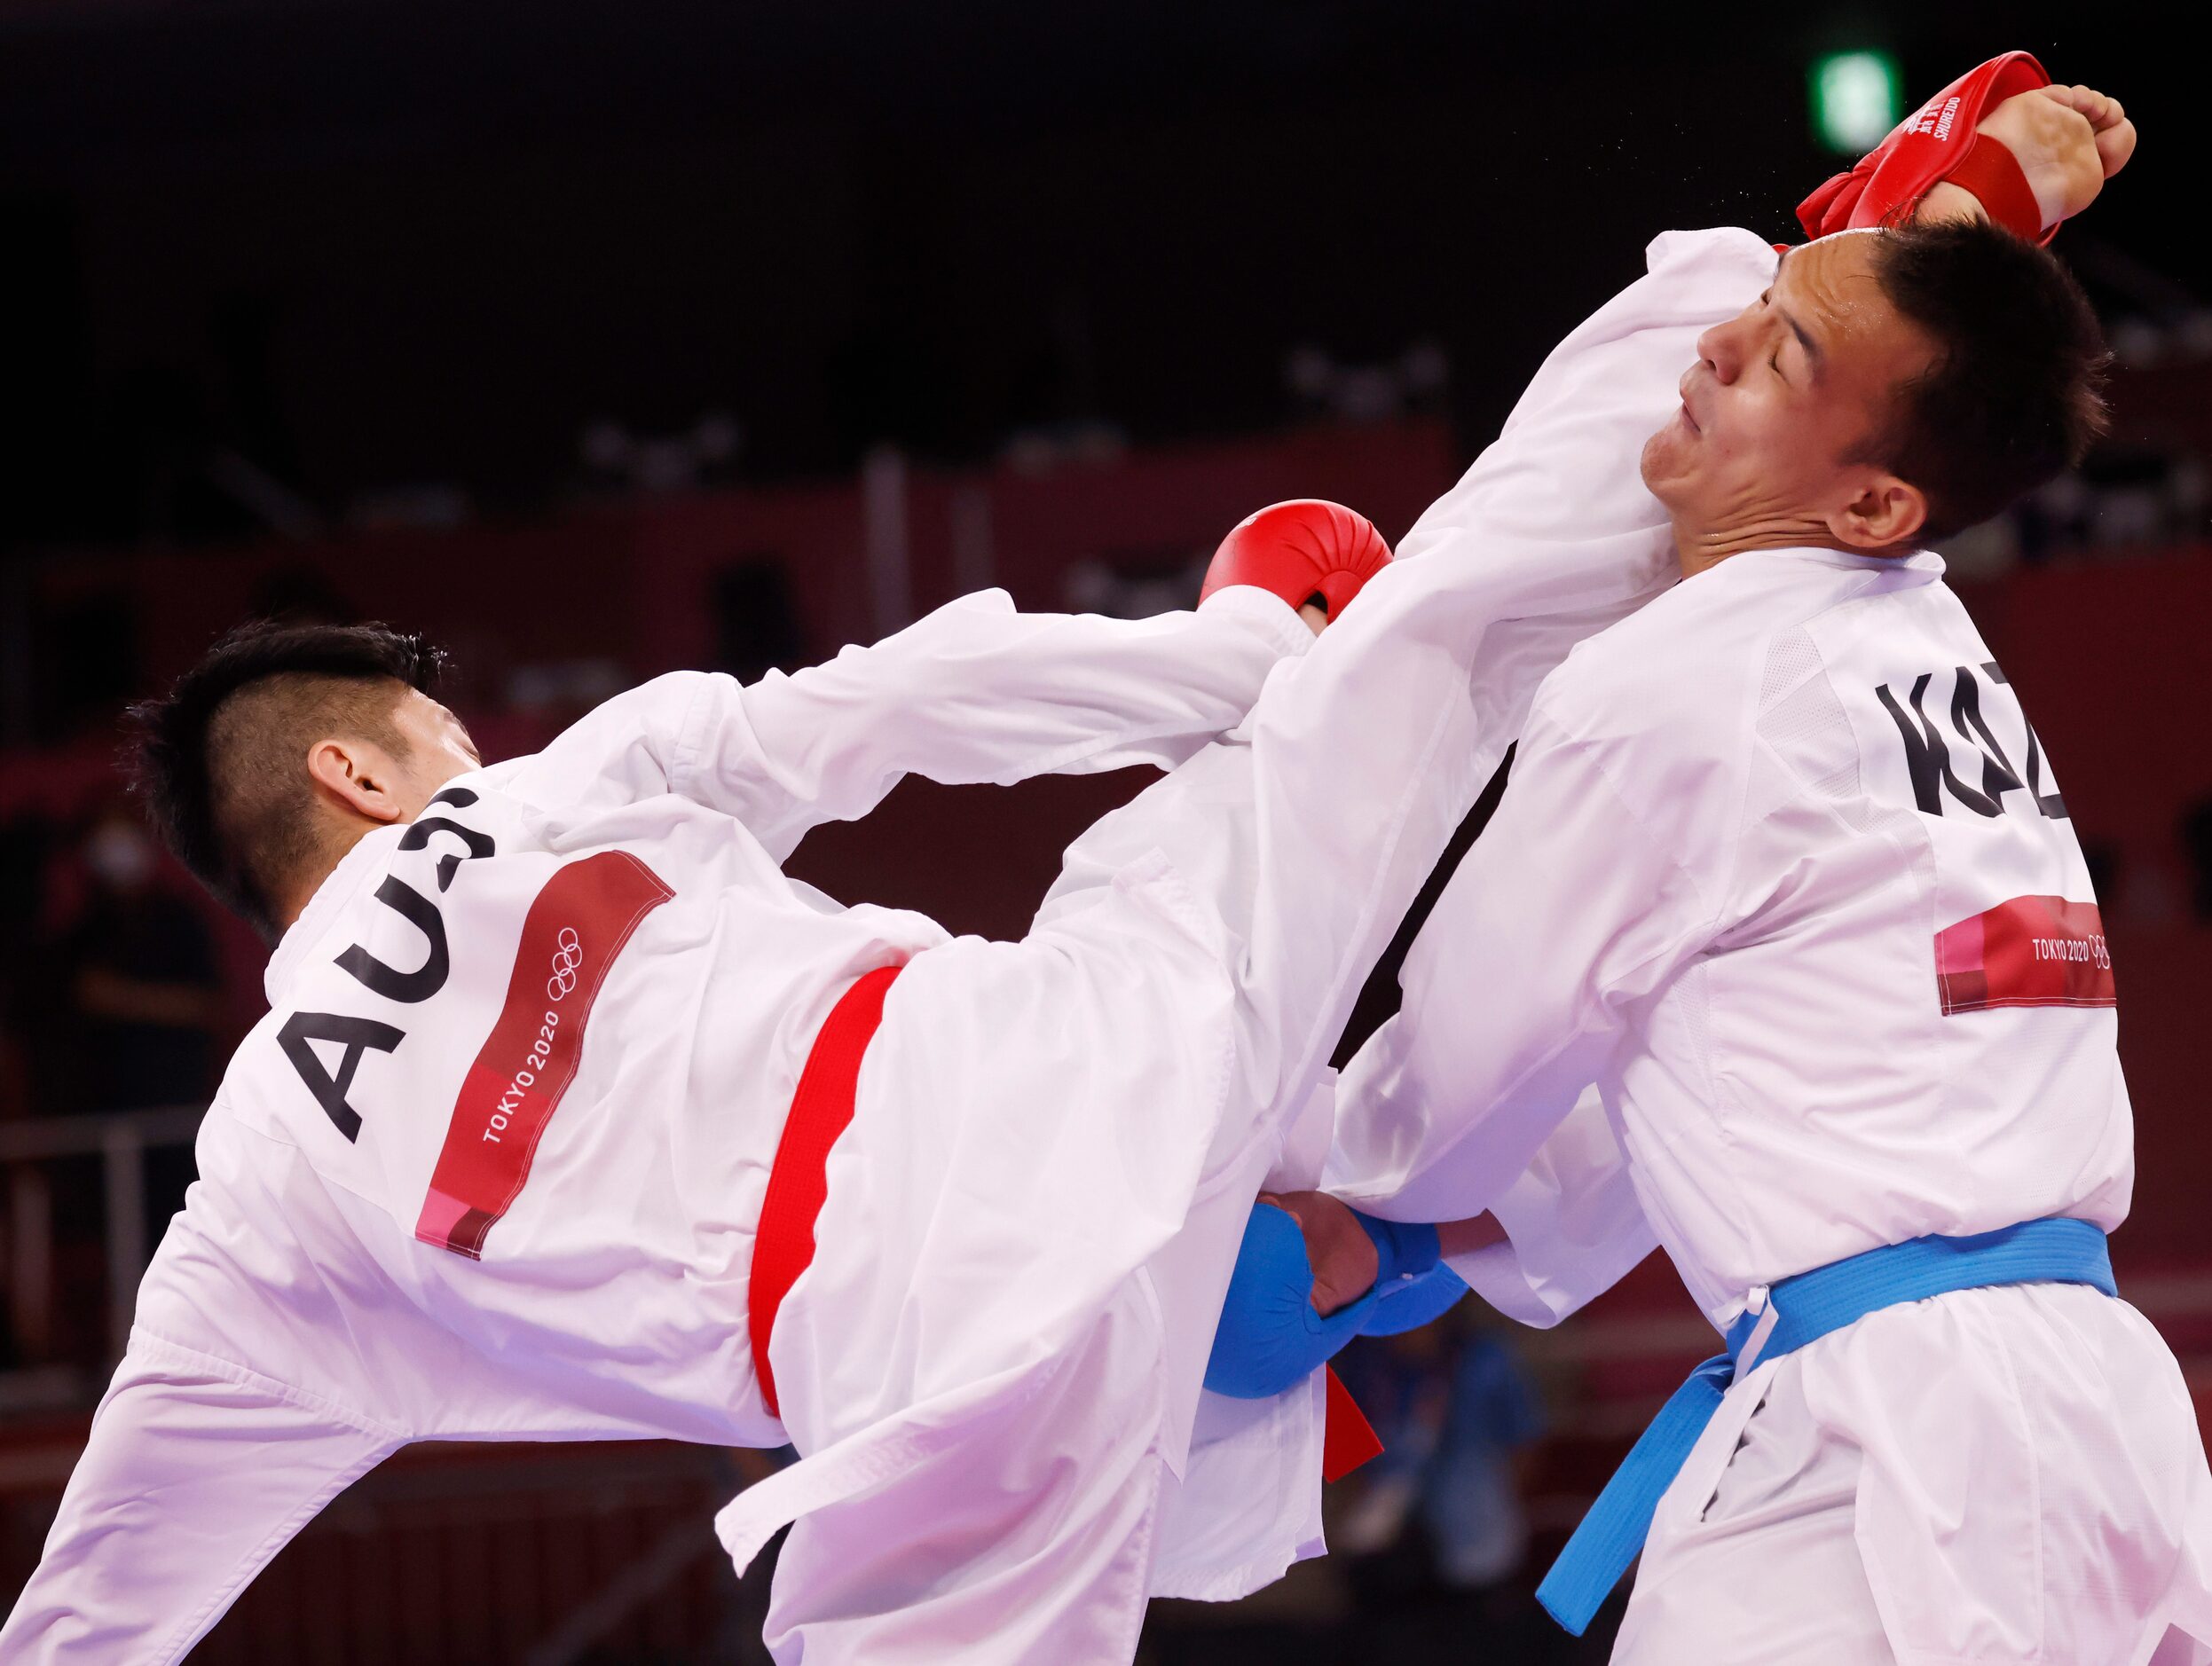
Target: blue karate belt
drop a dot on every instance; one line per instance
(1796, 1311)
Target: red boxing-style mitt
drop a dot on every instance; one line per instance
(1300, 550)
(1938, 142)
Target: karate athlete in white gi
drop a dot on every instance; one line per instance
(432, 1206)
(1782, 870)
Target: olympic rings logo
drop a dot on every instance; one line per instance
(568, 959)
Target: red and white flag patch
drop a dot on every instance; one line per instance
(575, 928)
(2029, 952)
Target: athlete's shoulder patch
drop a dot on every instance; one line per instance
(2027, 952)
(575, 928)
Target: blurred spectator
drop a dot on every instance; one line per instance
(143, 992)
(141, 1002)
(1470, 1498)
(1441, 1533)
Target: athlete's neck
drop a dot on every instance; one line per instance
(333, 847)
(1698, 548)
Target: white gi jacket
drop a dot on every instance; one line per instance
(490, 1168)
(1779, 836)
(1783, 869)
(1549, 537)
(992, 1364)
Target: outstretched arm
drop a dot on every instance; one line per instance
(197, 1473)
(975, 692)
(978, 692)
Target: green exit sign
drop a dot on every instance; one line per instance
(1854, 99)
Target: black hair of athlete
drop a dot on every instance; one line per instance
(220, 762)
(2015, 394)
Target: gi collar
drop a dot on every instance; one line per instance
(345, 882)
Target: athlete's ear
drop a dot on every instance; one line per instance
(1888, 511)
(359, 776)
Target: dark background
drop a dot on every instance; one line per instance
(370, 246)
(601, 338)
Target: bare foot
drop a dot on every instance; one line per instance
(2067, 140)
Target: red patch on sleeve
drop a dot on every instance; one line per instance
(2029, 952)
(575, 928)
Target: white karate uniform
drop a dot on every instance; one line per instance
(1549, 537)
(1302, 837)
(991, 1367)
(307, 1312)
(1779, 870)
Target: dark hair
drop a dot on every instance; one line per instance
(2015, 393)
(219, 762)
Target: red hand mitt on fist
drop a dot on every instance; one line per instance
(1938, 142)
(1299, 550)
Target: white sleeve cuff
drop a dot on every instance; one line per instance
(1268, 616)
(1495, 1274)
(1574, 1225)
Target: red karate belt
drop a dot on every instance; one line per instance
(798, 1184)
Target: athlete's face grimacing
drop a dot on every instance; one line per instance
(1775, 442)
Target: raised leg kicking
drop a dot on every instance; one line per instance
(518, 1152)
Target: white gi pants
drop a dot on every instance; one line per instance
(1939, 1483)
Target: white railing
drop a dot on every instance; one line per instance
(121, 1140)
